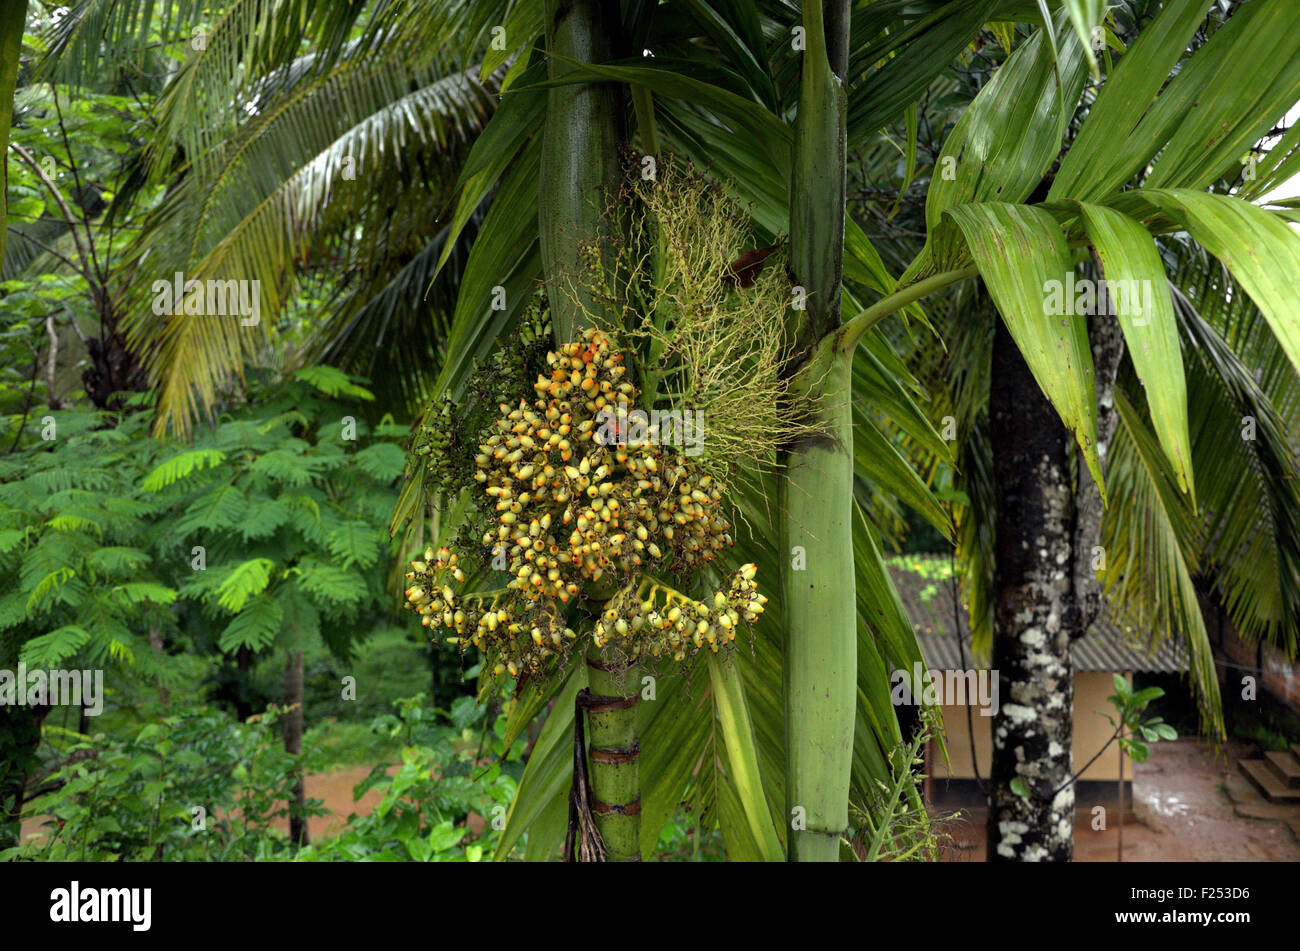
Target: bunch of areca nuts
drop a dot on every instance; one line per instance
(660, 621)
(583, 513)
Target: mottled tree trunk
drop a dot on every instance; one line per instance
(1048, 553)
(1107, 343)
(1033, 588)
(293, 721)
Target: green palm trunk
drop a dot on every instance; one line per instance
(579, 161)
(817, 587)
(614, 751)
(579, 172)
(819, 617)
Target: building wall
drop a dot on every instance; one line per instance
(1279, 676)
(1091, 731)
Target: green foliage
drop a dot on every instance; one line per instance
(268, 530)
(1137, 730)
(178, 467)
(80, 569)
(96, 550)
(890, 824)
(137, 797)
(188, 787)
(684, 839)
(422, 816)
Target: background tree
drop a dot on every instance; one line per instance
(269, 528)
(11, 41)
(1148, 573)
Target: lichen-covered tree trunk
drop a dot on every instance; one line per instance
(1033, 595)
(1106, 341)
(1046, 596)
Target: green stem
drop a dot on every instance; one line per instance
(820, 621)
(816, 488)
(853, 329)
(580, 162)
(614, 750)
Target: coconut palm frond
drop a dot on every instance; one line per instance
(338, 146)
(362, 326)
(296, 190)
(87, 39)
(1148, 535)
(1250, 536)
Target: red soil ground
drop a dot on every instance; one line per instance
(1190, 806)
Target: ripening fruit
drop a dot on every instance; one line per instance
(623, 509)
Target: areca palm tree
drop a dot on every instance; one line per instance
(763, 98)
(1151, 540)
(506, 254)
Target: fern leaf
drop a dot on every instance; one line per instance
(331, 583)
(144, 592)
(75, 523)
(333, 382)
(117, 559)
(13, 610)
(382, 461)
(10, 539)
(247, 580)
(181, 466)
(50, 650)
(221, 508)
(55, 579)
(263, 518)
(255, 626)
(287, 467)
(354, 543)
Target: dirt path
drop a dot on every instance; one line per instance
(336, 789)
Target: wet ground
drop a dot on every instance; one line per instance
(1190, 805)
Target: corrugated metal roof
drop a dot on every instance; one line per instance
(938, 622)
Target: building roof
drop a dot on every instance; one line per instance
(928, 598)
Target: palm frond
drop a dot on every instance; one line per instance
(1251, 511)
(1149, 536)
(335, 171)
